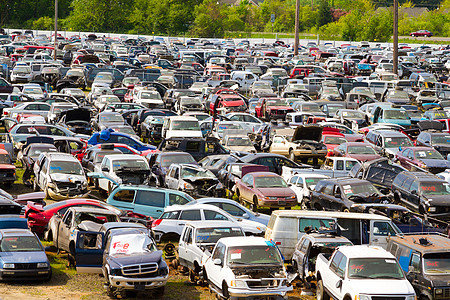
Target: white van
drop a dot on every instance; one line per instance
(286, 227)
(244, 78)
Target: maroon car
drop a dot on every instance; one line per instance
(423, 157)
(360, 151)
(425, 33)
(265, 189)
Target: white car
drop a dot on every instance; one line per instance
(29, 108)
(198, 237)
(102, 101)
(245, 267)
(122, 168)
(303, 184)
(181, 127)
(149, 98)
(21, 74)
(171, 223)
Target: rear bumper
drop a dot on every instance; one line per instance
(139, 283)
(310, 154)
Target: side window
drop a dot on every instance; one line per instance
(407, 183)
(342, 266)
(393, 249)
(68, 218)
(176, 173)
(214, 216)
(172, 172)
(125, 196)
(191, 215)
(277, 140)
(383, 228)
(293, 180)
(328, 190)
(335, 262)
(189, 236)
(415, 262)
(219, 252)
(177, 199)
(233, 210)
(151, 198)
(339, 165)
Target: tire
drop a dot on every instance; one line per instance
(191, 275)
(320, 292)
(110, 291)
(254, 204)
(345, 209)
(225, 293)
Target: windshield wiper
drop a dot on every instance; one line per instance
(359, 276)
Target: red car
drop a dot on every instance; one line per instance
(265, 189)
(332, 139)
(227, 101)
(38, 216)
(423, 157)
(360, 151)
(425, 33)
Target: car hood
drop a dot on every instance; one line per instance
(276, 192)
(439, 280)
(124, 260)
(438, 200)
(364, 157)
(383, 287)
(242, 148)
(436, 163)
(393, 150)
(310, 133)
(60, 177)
(232, 103)
(23, 257)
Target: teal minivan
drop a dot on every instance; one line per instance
(146, 200)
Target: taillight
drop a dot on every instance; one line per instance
(277, 243)
(156, 223)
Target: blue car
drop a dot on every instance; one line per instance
(235, 209)
(110, 136)
(22, 256)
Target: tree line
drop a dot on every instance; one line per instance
(331, 19)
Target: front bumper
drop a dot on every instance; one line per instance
(137, 283)
(302, 153)
(57, 194)
(277, 203)
(244, 292)
(32, 274)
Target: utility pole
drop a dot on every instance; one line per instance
(56, 29)
(396, 37)
(297, 17)
(312, 4)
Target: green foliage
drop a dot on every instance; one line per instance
(324, 14)
(43, 23)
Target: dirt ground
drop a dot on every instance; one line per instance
(66, 283)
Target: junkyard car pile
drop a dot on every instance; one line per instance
(250, 167)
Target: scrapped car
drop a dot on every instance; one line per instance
(110, 136)
(426, 158)
(59, 175)
(7, 168)
(30, 154)
(62, 229)
(22, 256)
(388, 142)
(198, 237)
(361, 151)
(194, 180)
(265, 189)
(239, 143)
(272, 109)
(303, 185)
(245, 267)
(126, 255)
(160, 163)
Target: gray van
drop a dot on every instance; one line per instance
(286, 227)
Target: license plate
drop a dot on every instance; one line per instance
(139, 286)
(281, 202)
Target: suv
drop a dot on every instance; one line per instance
(60, 176)
(424, 193)
(425, 260)
(388, 142)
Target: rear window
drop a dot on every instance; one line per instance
(314, 223)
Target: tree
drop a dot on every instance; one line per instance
(324, 16)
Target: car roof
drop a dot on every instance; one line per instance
(194, 206)
(212, 224)
(390, 133)
(436, 243)
(327, 214)
(92, 210)
(245, 241)
(365, 251)
(60, 156)
(15, 232)
(422, 176)
(124, 156)
(323, 237)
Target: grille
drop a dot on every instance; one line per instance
(268, 283)
(387, 298)
(140, 269)
(445, 293)
(23, 266)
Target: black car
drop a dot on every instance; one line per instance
(275, 162)
(142, 114)
(425, 259)
(424, 193)
(341, 194)
(161, 161)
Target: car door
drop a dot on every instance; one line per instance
(379, 233)
(64, 229)
(246, 187)
(326, 196)
(170, 178)
(338, 267)
(150, 202)
(184, 244)
(278, 145)
(122, 199)
(89, 252)
(44, 168)
(186, 215)
(214, 272)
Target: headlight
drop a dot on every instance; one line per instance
(8, 266)
(290, 197)
(411, 297)
(238, 283)
(432, 209)
(42, 265)
(438, 291)
(188, 186)
(271, 198)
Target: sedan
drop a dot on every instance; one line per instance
(360, 151)
(422, 157)
(424, 33)
(265, 189)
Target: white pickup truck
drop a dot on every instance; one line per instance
(361, 272)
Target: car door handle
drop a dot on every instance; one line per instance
(375, 240)
(158, 210)
(180, 224)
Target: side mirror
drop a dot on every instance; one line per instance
(411, 269)
(339, 284)
(337, 196)
(245, 216)
(105, 169)
(217, 262)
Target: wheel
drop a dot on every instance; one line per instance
(254, 205)
(225, 293)
(191, 275)
(413, 35)
(111, 291)
(291, 155)
(109, 188)
(345, 209)
(175, 264)
(320, 292)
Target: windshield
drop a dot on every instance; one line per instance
(100, 155)
(437, 263)
(269, 182)
(36, 151)
(193, 172)
(104, 77)
(131, 243)
(119, 165)
(427, 154)
(262, 85)
(254, 255)
(395, 142)
(359, 188)
(435, 188)
(361, 150)
(310, 108)
(111, 118)
(395, 114)
(334, 140)
(66, 167)
(150, 95)
(176, 159)
(33, 91)
(239, 141)
(212, 235)
(126, 130)
(440, 139)
(22, 70)
(277, 102)
(20, 244)
(353, 114)
(99, 218)
(374, 268)
(190, 101)
(312, 182)
(185, 125)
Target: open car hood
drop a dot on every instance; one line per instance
(79, 114)
(310, 133)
